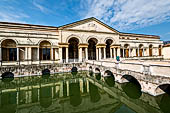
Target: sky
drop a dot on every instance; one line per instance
(131, 16)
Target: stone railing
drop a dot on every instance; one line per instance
(151, 69)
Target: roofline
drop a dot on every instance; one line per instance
(15, 23)
(131, 34)
(91, 18)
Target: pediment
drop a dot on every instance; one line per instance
(90, 24)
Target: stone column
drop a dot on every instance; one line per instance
(52, 54)
(118, 52)
(100, 54)
(66, 54)
(86, 53)
(29, 53)
(80, 54)
(38, 53)
(123, 52)
(111, 53)
(143, 52)
(129, 52)
(60, 54)
(138, 52)
(17, 54)
(97, 51)
(26, 53)
(104, 53)
(114, 53)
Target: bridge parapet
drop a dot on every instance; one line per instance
(150, 76)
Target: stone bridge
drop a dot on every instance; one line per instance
(154, 79)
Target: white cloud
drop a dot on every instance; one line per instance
(38, 5)
(128, 14)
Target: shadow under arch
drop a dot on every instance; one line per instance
(75, 95)
(46, 96)
(132, 88)
(163, 102)
(94, 93)
(74, 71)
(97, 74)
(8, 102)
(109, 78)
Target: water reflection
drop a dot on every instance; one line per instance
(164, 103)
(8, 102)
(110, 81)
(67, 94)
(75, 96)
(94, 93)
(45, 96)
(132, 90)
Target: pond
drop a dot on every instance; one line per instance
(77, 93)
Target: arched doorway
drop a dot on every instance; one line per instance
(92, 49)
(141, 50)
(73, 48)
(150, 50)
(9, 50)
(160, 50)
(45, 50)
(126, 50)
(108, 44)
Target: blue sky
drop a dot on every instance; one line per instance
(131, 16)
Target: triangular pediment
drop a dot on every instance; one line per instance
(90, 24)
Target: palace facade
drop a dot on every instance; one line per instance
(88, 39)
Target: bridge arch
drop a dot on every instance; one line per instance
(109, 78)
(163, 88)
(131, 86)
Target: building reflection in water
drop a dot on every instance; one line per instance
(66, 94)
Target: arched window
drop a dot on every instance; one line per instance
(108, 44)
(9, 50)
(126, 51)
(45, 50)
(141, 50)
(92, 49)
(73, 48)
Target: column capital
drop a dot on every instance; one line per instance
(85, 45)
(63, 45)
(101, 46)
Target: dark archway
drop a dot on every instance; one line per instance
(126, 51)
(165, 88)
(141, 50)
(9, 50)
(108, 44)
(109, 78)
(92, 49)
(97, 74)
(45, 50)
(132, 88)
(73, 48)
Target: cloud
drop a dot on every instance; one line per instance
(9, 13)
(38, 5)
(128, 14)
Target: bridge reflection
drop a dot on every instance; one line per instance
(66, 94)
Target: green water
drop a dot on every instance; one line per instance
(77, 93)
